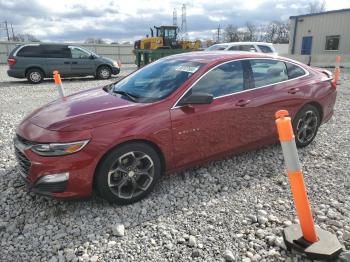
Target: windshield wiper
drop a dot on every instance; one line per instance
(130, 96)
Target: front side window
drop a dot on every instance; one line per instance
(157, 80)
(332, 43)
(234, 48)
(294, 71)
(249, 48)
(79, 53)
(267, 72)
(216, 47)
(223, 80)
(265, 49)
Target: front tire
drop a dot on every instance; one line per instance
(128, 173)
(104, 72)
(35, 75)
(305, 125)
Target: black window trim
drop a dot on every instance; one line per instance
(245, 90)
(331, 50)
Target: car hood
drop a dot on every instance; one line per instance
(81, 111)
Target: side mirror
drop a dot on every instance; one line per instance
(197, 98)
(92, 57)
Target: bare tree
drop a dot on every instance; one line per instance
(251, 32)
(277, 32)
(25, 38)
(316, 6)
(231, 34)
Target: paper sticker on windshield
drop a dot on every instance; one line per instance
(188, 69)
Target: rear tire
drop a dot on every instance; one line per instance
(305, 125)
(128, 173)
(35, 76)
(104, 72)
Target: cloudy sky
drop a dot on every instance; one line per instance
(76, 20)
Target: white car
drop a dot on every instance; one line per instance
(260, 47)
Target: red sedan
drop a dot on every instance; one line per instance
(177, 112)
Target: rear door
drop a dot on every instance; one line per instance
(270, 90)
(82, 62)
(57, 57)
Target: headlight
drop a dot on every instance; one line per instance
(59, 149)
(117, 64)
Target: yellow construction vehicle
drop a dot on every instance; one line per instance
(165, 37)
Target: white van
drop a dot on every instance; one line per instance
(260, 47)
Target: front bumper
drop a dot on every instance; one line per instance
(67, 176)
(115, 70)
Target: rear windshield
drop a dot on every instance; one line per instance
(217, 47)
(157, 80)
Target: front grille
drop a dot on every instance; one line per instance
(23, 162)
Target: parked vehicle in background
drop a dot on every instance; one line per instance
(174, 113)
(37, 61)
(260, 47)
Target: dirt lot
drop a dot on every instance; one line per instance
(234, 208)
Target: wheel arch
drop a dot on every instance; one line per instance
(318, 107)
(34, 67)
(103, 65)
(143, 141)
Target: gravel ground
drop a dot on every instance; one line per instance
(233, 209)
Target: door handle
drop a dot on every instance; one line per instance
(74, 63)
(67, 63)
(242, 102)
(293, 90)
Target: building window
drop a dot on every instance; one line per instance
(332, 43)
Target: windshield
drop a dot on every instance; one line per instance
(216, 47)
(156, 81)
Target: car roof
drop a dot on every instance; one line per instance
(218, 56)
(247, 43)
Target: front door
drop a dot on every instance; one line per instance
(82, 63)
(202, 131)
(306, 45)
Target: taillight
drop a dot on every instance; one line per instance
(11, 61)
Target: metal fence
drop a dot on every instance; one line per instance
(115, 52)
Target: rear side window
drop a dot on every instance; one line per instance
(31, 51)
(57, 52)
(47, 51)
(265, 49)
(294, 71)
(223, 80)
(268, 72)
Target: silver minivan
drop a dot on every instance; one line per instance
(38, 61)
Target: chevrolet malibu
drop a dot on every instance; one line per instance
(177, 112)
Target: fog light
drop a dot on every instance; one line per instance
(54, 178)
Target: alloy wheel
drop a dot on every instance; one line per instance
(35, 76)
(307, 127)
(104, 73)
(131, 174)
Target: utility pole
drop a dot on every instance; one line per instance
(7, 31)
(13, 34)
(174, 17)
(218, 34)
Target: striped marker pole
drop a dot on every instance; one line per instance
(296, 179)
(337, 69)
(58, 83)
(303, 237)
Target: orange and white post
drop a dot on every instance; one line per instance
(58, 83)
(296, 179)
